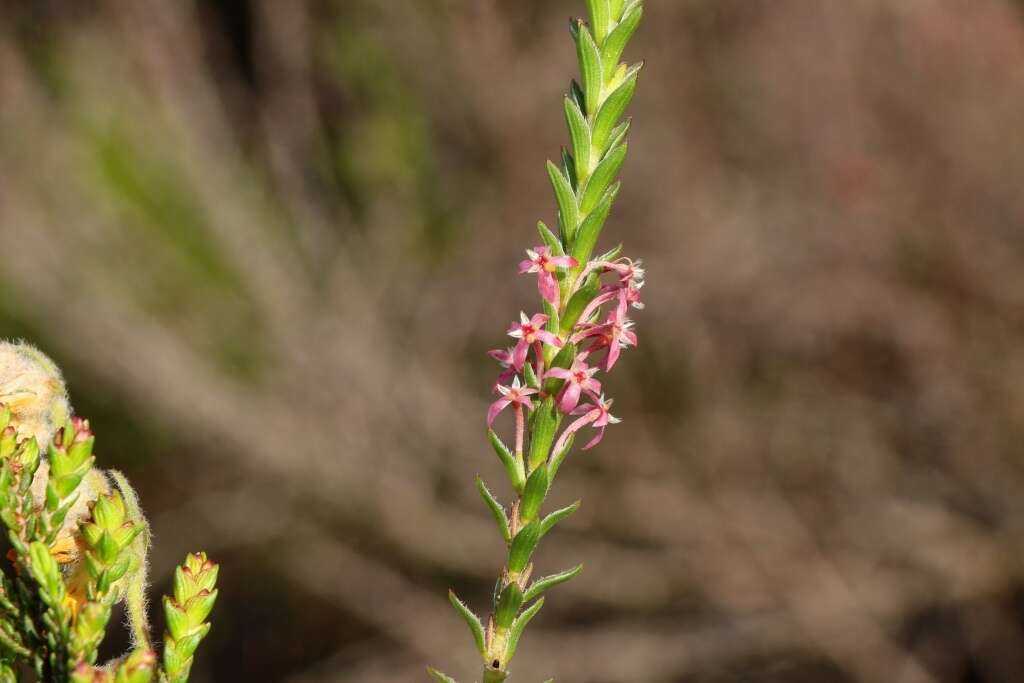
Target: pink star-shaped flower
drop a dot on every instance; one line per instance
(514, 395)
(614, 334)
(594, 414)
(545, 265)
(530, 331)
(578, 379)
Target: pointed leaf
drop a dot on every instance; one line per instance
(549, 239)
(603, 176)
(568, 211)
(516, 631)
(619, 133)
(494, 675)
(513, 467)
(591, 75)
(579, 135)
(545, 422)
(600, 18)
(530, 375)
(522, 547)
(613, 109)
(57, 518)
(439, 677)
(475, 627)
(534, 494)
(509, 602)
(569, 168)
(611, 49)
(551, 326)
(496, 509)
(576, 93)
(611, 254)
(538, 587)
(616, 6)
(578, 303)
(557, 516)
(590, 229)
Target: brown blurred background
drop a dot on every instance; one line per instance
(270, 241)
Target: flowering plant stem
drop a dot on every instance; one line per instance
(549, 375)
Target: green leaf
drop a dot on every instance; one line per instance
(513, 466)
(569, 168)
(20, 548)
(538, 587)
(509, 602)
(568, 212)
(475, 627)
(603, 176)
(516, 630)
(578, 303)
(176, 619)
(545, 422)
(549, 239)
(615, 7)
(47, 574)
(52, 499)
(579, 136)
(551, 311)
(576, 93)
(496, 509)
(619, 133)
(557, 516)
(613, 109)
(67, 485)
(591, 75)
(600, 18)
(590, 230)
(57, 518)
(535, 493)
(612, 49)
(140, 666)
(199, 607)
(494, 675)
(611, 254)
(531, 376)
(439, 677)
(522, 546)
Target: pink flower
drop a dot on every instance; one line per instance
(594, 414)
(504, 357)
(607, 294)
(632, 292)
(515, 395)
(530, 331)
(578, 379)
(545, 265)
(614, 334)
(629, 271)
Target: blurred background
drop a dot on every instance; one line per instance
(269, 242)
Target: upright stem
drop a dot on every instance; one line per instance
(520, 428)
(585, 186)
